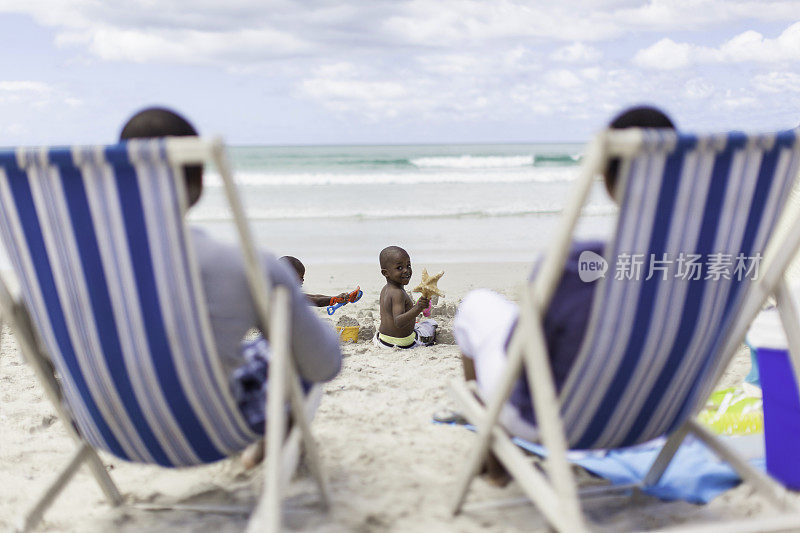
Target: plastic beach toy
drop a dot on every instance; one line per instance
(733, 412)
(337, 302)
(427, 311)
(348, 333)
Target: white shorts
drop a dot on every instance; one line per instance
(423, 329)
(481, 327)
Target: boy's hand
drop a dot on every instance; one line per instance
(423, 303)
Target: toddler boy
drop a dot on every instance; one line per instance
(398, 311)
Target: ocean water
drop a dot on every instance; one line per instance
(443, 203)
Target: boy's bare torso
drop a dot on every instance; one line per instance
(394, 301)
(398, 311)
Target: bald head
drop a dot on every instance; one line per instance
(389, 253)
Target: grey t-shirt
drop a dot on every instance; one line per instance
(232, 312)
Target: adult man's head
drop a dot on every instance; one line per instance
(162, 122)
(633, 117)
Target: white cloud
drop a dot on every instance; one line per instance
(752, 46)
(483, 65)
(520, 59)
(24, 87)
(592, 73)
(698, 89)
(461, 22)
(777, 82)
(585, 94)
(424, 61)
(451, 64)
(465, 22)
(231, 34)
(31, 93)
(666, 54)
(440, 88)
(676, 15)
(373, 93)
(576, 53)
(749, 46)
(244, 32)
(740, 102)
(24, 94)
(563, 79)
(342, 87)
(192, 46)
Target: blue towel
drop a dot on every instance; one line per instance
(695, 474)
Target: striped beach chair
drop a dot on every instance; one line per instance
(111, 300)
(659, 338)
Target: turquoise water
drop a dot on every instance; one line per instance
(443, 203)
(400, 158)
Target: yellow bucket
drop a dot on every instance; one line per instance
(348, 333)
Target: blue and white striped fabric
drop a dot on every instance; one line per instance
(653, 347)
(97, 240)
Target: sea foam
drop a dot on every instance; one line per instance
(472, 161)
(466, 175)
(367, 212)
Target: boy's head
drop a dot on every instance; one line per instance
(395, 265)
(633, 117)
(161, 122)
(298, 267)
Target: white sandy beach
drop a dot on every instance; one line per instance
(475, 135)
(391, 468)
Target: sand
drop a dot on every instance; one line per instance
(390, 467)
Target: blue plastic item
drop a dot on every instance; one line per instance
(781, 415)
(352, 297)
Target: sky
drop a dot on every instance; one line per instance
(393, 71)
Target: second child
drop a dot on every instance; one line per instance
(317, 300)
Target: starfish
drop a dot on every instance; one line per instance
(428, 284)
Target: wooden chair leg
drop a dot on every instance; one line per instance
(35, 514)
(665, 456)
(767, 487)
